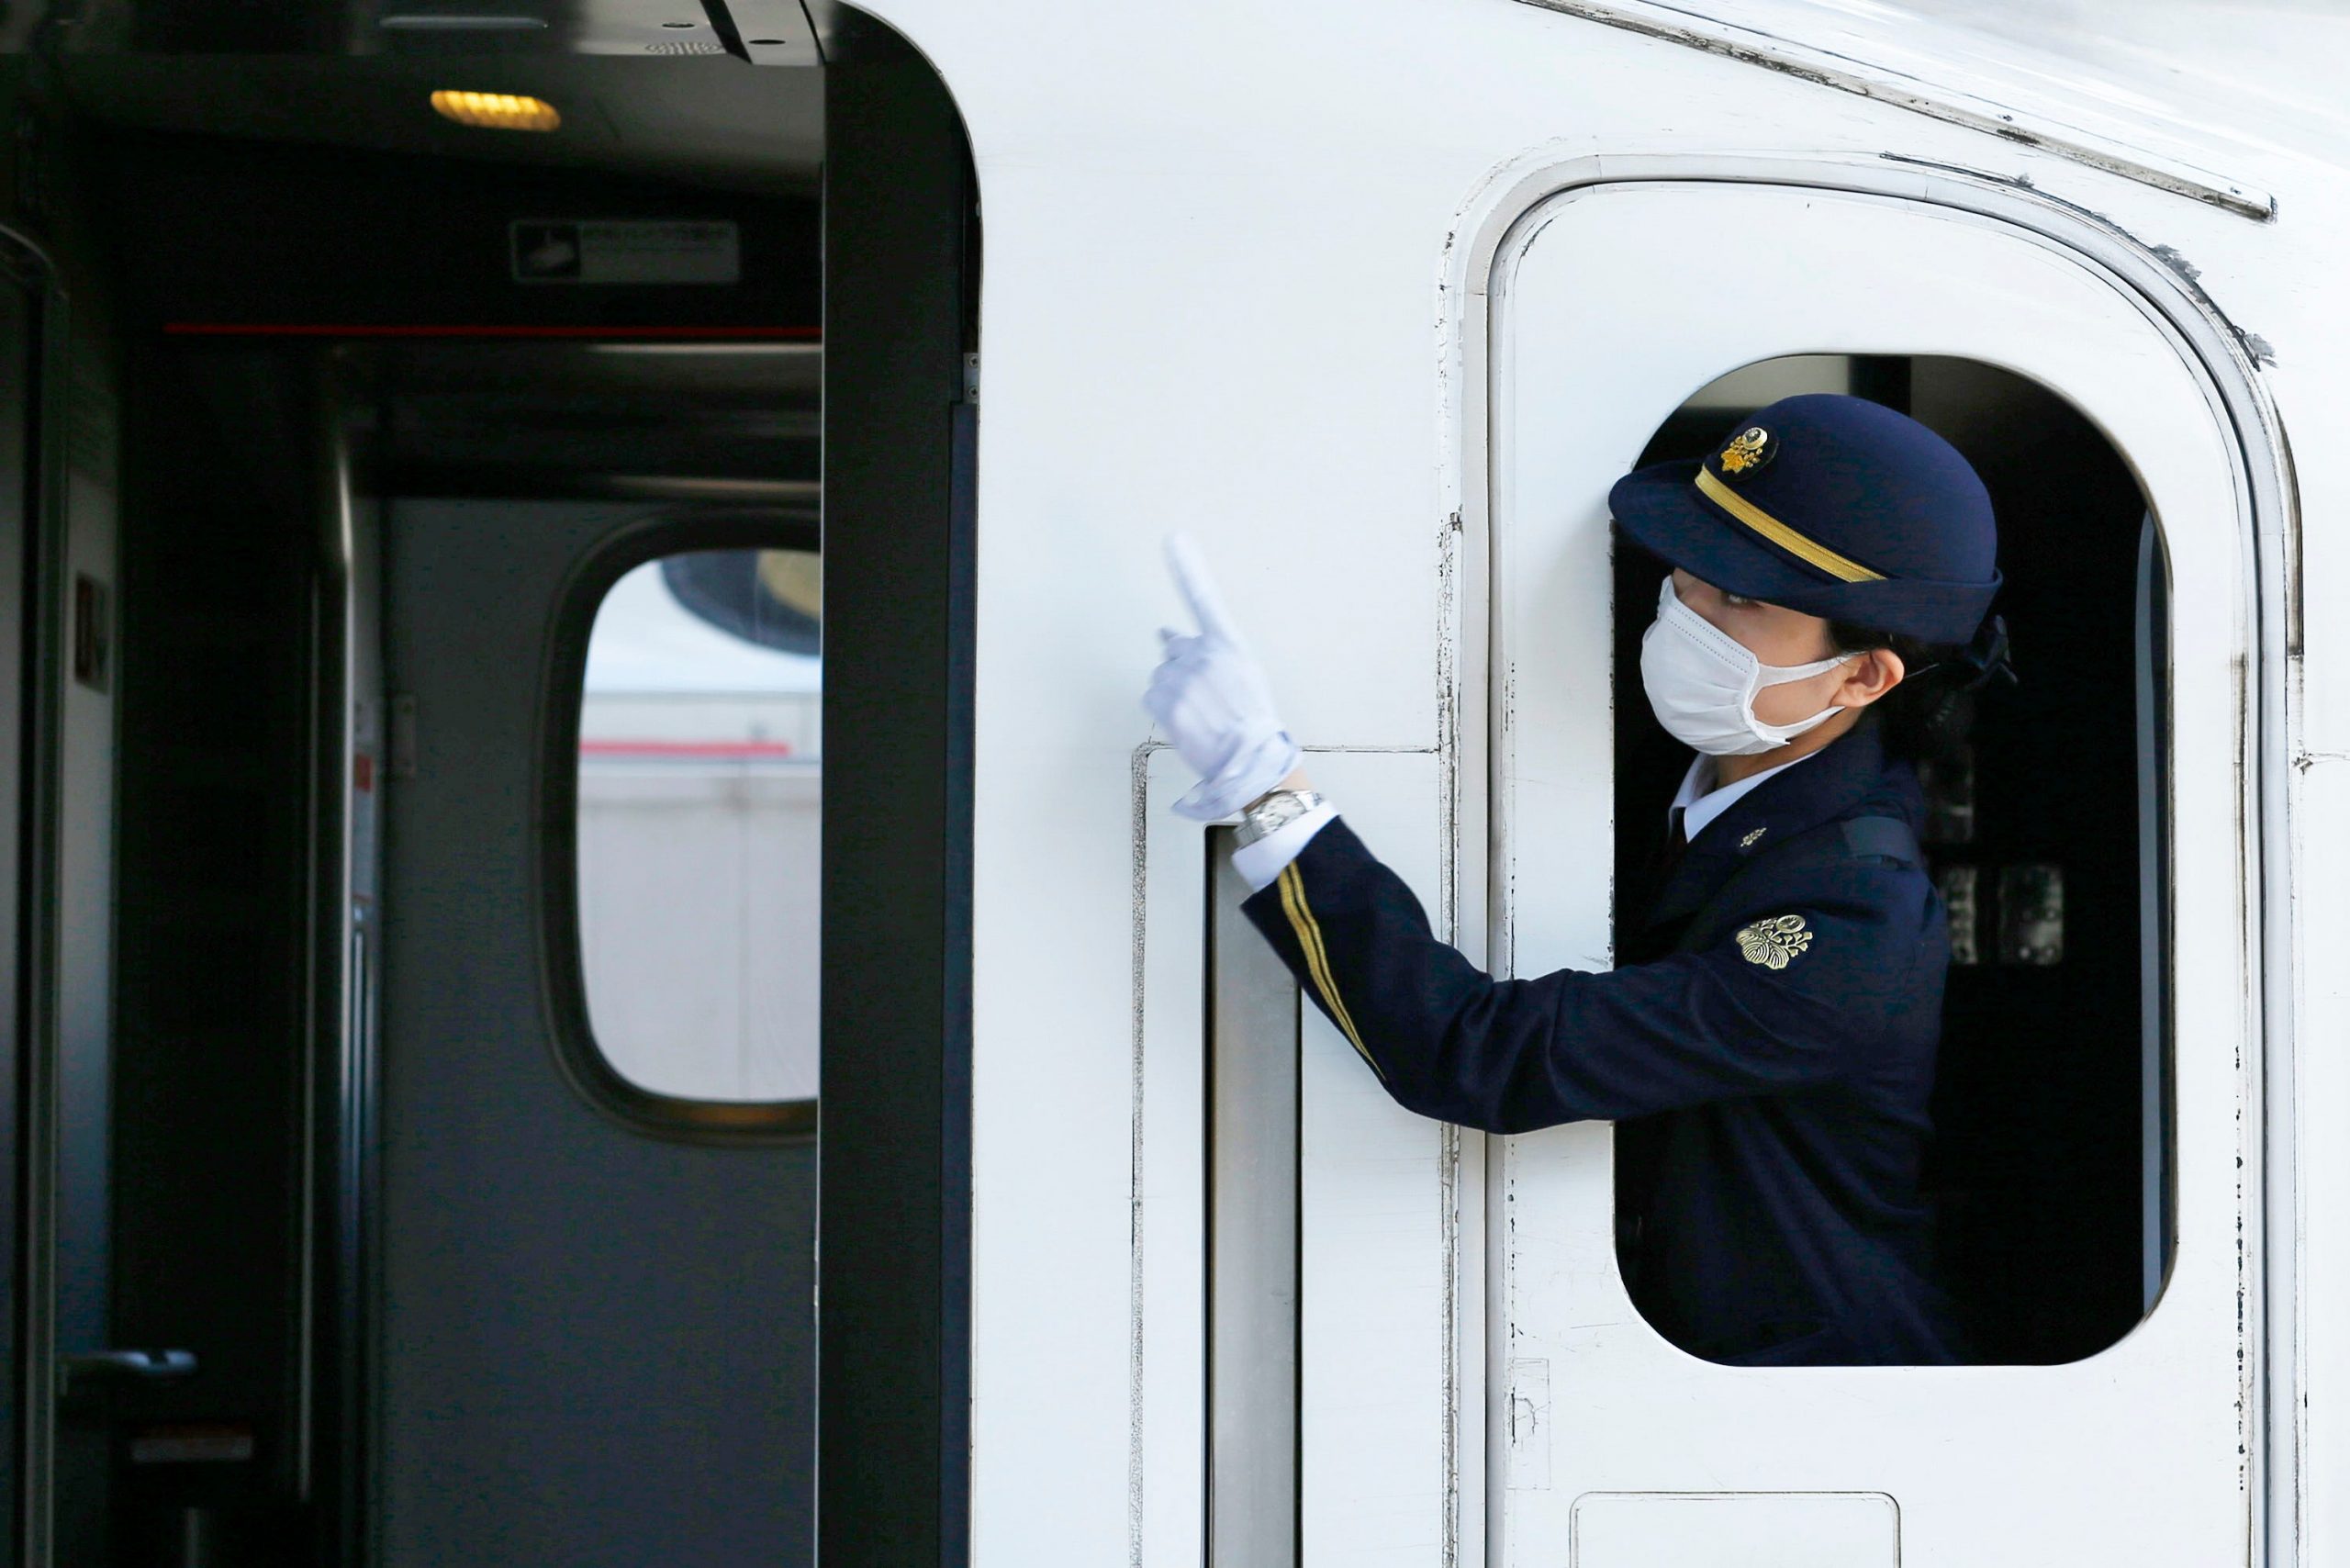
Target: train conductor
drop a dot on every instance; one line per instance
(1767, 1041)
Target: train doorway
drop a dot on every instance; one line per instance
(412, 1210)
(2154, 1101)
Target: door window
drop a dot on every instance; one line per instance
(700, 792)
(2049, 1169)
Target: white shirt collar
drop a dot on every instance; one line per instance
(1699, 803)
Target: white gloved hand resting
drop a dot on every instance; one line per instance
(1210, 700)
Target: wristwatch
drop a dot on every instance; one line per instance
(1273, 810)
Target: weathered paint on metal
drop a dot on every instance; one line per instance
(1267, 255)
(1789, 57)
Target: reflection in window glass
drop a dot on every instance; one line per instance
(700, 792)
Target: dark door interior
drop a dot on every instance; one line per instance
(234, 1131)
(440, 1304)
(21, 281)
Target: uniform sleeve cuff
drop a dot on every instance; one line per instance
(1262, 861)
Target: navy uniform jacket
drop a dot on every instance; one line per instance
(1768, 1046)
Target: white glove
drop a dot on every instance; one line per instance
(1210, 700)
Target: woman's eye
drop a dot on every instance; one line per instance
(1735, 598)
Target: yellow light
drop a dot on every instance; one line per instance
(497, 111)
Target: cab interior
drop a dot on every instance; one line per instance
(2050, 1168)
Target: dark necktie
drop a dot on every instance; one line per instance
(1663, 860)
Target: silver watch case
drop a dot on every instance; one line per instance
(1273, 812)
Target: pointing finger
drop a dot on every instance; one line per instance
(1198, 587)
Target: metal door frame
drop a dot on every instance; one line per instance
(894, 1230)
(33, 1077)
(1487, 231)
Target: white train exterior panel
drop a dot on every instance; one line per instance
(1237, 260)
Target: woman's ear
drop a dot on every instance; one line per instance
(1870, 677)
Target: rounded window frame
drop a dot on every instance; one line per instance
(2161, 957)
(555, 791)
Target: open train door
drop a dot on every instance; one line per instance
(1610, 303)
(599, 1305)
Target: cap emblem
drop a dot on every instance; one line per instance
(1753, 448)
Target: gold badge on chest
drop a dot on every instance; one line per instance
(1774, 943)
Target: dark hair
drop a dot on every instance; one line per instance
(1928, 716)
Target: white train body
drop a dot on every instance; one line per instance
(1375, 300)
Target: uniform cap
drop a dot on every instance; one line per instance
(1835, 506)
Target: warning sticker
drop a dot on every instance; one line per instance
(606, 251)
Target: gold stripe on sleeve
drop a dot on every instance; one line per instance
(1780, 534)
(1317, 959)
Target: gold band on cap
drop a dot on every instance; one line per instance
(1780, 534)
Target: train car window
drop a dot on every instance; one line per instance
(701, 790)
(2050, 1172)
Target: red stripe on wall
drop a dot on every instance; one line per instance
(316, 330)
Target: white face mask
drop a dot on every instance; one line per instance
(1701, 681)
